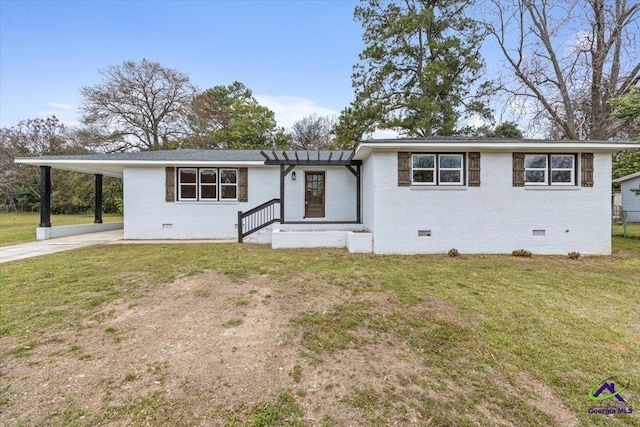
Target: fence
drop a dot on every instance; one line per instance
(624, 218)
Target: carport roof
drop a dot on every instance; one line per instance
(112, 164)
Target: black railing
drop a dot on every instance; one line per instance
(258, 218)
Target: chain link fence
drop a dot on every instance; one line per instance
(626, 219)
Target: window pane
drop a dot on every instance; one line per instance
(561, 176)
(423, 176)
(208, 191)
(538, 162)
(562, 162)
(423, 161)
(228, 176)
(227, 191)
(451, 161)
(188, 176)
(450, 176)
(208, 176)
(534, 176)
(188, 191)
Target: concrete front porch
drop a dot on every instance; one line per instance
(353, 237)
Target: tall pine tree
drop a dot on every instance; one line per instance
(420, 63)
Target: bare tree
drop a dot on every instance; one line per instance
(72, 192)
(567, 59)
(312, 133)
(138, 105)
(32, 137)
(206, 117)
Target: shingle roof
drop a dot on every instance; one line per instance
(478, 140)
(201, 155)
(169, 155)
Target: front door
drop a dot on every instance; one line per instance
(314, 195)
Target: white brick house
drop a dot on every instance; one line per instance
(399, 196)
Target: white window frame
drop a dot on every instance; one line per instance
(549, 169)
(572, 169)
(437, 169)
(461, 169)
(206, 184)
(545, 169)
(180, 184)
(200, 184)
(223, 184)
(434, 169)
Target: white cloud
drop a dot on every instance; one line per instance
(581, 41)
(475, 120)
(382, 134)
(60, 106)
(66, 117)
(290, 109)
(66, 113)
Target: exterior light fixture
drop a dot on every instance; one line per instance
(293, 176)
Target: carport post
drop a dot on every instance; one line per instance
(98, 208)
(45, 196)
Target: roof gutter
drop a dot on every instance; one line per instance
(364, 149)
(115, 168)
(41, 161)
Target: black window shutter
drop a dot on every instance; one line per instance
(404, 169)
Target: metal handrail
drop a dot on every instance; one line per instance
(257, 218)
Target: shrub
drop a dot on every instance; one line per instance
(522, 253)
(573, 255)
(453, 252)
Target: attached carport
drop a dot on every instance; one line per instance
(94, 164)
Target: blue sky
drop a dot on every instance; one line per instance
(296, 56)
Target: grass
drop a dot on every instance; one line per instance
(283, 412)
(233, 322)
(296, 374)
(633, 230)
(21, 228)
(488, 332)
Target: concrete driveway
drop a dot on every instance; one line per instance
(45, 247)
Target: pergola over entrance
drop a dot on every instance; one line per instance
(288, 160)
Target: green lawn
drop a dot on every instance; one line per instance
(21, 228)
(486, 339)
(633, 230)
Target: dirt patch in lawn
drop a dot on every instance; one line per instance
(222, 346)
(208, 350)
